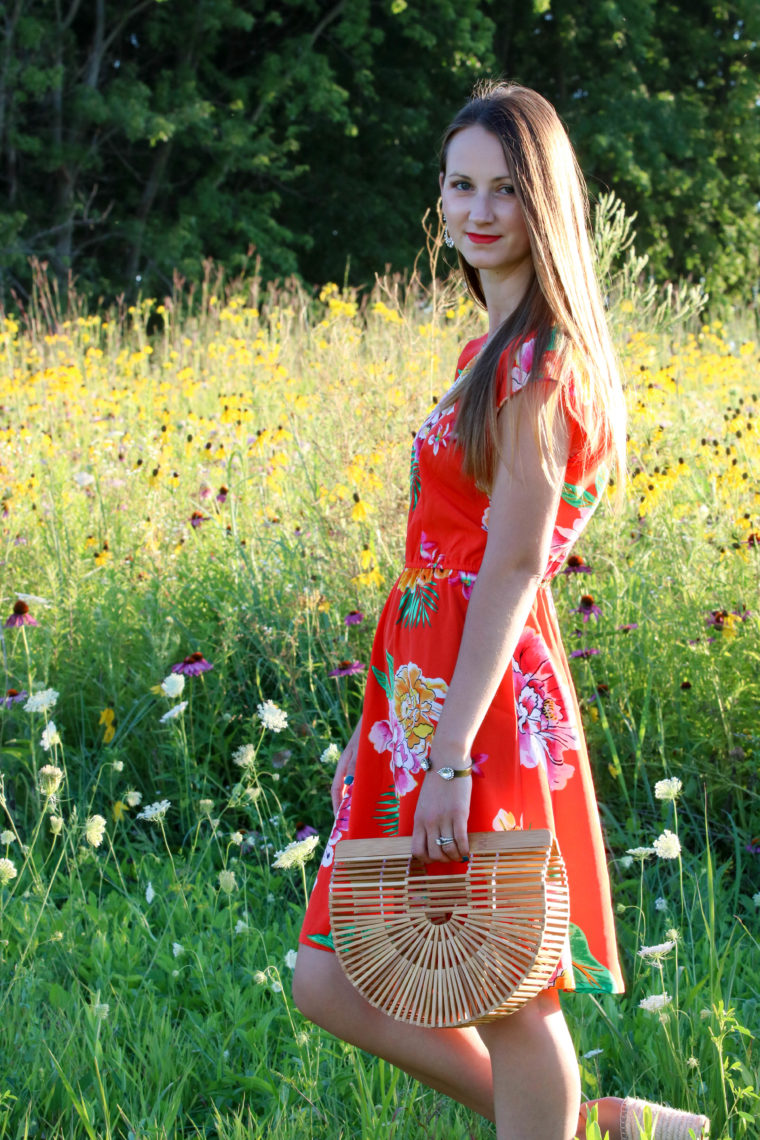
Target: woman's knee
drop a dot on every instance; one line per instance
(316, 976)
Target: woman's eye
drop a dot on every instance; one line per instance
(508, 189)
(462, 185)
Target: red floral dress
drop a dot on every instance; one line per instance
(531, 768)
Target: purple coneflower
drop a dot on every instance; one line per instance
(587, 608)
(222, 493)
(355, 617)
(304, 830)
(20, 616)
(754, 846)
(584, 652)
(346, 669)
(717, 618)
(576, 565)
(197, 518)
(628, 627)
(193, 665)
(12, 697)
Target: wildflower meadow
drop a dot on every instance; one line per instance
(202, 506)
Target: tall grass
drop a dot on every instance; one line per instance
(227, 479)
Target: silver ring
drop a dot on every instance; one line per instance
(442, 840)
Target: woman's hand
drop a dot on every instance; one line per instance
(442, 811)
(345, 767)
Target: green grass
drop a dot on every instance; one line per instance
(134, 1012)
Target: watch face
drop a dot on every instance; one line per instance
(446, 773)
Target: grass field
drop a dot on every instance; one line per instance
(217, 486)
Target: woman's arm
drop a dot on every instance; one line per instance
(524, 505)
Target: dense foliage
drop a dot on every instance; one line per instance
(138, 138)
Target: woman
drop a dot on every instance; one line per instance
(470, 721)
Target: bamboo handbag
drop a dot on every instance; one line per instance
(442, 950)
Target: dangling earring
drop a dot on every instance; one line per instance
(447, 238)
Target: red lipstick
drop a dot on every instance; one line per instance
(483, 239)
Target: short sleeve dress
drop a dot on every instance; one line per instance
(530, 764)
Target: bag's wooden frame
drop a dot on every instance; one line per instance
(454, 948)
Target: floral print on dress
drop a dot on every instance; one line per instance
(545, 729)
(340, 826)
(414, 706)
(523, 364)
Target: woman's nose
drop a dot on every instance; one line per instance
(481, 209)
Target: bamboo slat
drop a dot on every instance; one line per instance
(456, 948)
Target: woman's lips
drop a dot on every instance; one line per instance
(483, 239)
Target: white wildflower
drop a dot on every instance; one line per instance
(155, 812)
(692, 1063)
(42, 701)
(625, 861)
(94, 830)
(50, 777)
(667, 845)
(260, 978)
(7, 837)
(83, 478)
(592, 1053)
(237, 838)
(227, 882)
(177, 949)
(669, 789)
(657, 952)
(118, 765)
(206, 806)
(660, 904)
(331, 754)
(244, 756)
(50, 736)
(673, 934)
(241, 926)
(297, 853)
(272, 717)
(7, 871)
(33, 599)
(132, 798)
(290, 959)
(150, 894)
(173, 685)
(756, 899)
(174, 712)
(56, 824)
(655, 1002)
(276, 987)
(640, 852)
(101, 1009)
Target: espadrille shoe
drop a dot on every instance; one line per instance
(669, 1123)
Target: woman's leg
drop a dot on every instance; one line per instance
(537, 1089)
(452, 1061)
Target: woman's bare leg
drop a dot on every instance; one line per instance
(452, 1061)
(537, 1087)
(608, 1117)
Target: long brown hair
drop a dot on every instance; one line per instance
(562, 306)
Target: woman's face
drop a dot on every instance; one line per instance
(482, 212)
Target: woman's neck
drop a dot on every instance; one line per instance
(503, 291)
